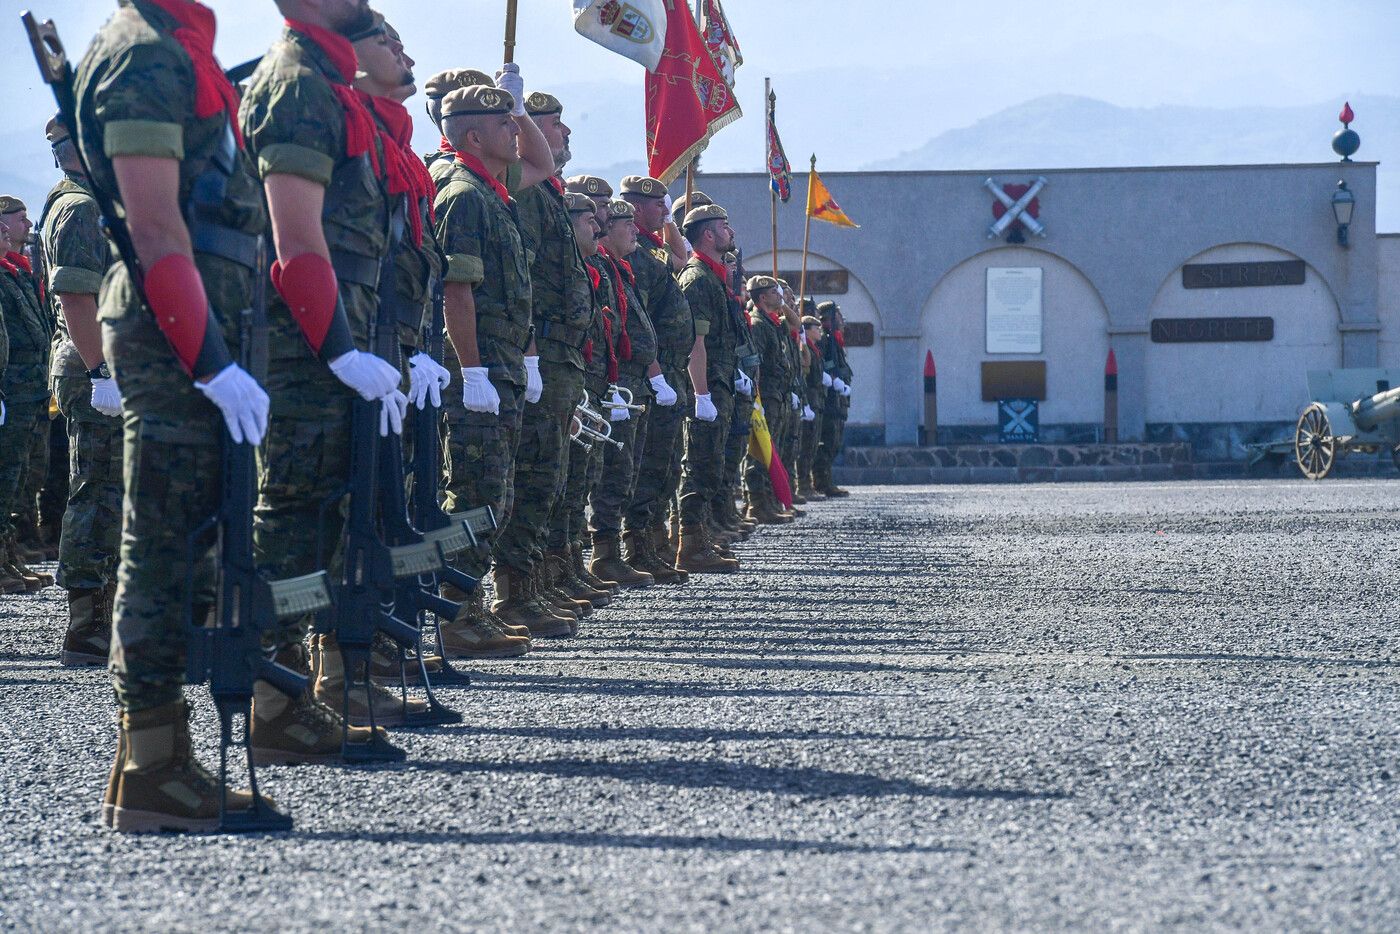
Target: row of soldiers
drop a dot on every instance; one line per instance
(610, 352)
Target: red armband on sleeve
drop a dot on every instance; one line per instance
(308, 285)
(175, 294)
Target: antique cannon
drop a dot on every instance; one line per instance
(1352, 410)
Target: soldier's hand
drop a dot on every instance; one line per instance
(826, 380)
(508, 79)
(106, 397)
(478, 395)
(392, 409)
(617, 409)
(2, 411)
(705, 409)
(743, 383)
(665, 395)
(808, 415)
(370, 376)
(534, 383)
(242, 402)
(426, 380)
(840, 386)
(796, 402)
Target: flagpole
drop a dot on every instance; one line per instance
(773, 195)
(807, 235)
(689, 187)
(510, 30)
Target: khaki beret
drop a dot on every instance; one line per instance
(476, 101)
(826, 308)
(621, 210)
(809, 322)
(540, 104)
(445, 82)
(9, 204)
(590, 185)
(643, 185)
(374, 26)
(697, 199)
(760, 283)
(705, 212)
(56, 131)
(579, 204)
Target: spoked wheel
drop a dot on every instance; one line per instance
(1314, 445)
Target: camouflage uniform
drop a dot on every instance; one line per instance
(76, 257)
(774, 391)
(833, 430)
(295, 125)
(134, 98)
(811, 431)
(658, 473)
(703, 471)
(563, 312)
(479, 231)
(741, 423)
(24, 386)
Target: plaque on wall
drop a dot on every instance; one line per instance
(860, 334)
(1243, 275)
(1211, 330)
(819, 281)
(1019, 421)
(1013, 379)
(1014, 309)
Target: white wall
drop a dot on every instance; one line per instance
(868, 363)
(1388, 299)
(1245, 381)
(1074, 340)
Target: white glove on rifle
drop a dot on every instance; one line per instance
(665, 395)
(705, 409)
(508, 79)
(617, 411)
(840, 386)
(391, 412)
(426, 380)
(534, 383)
(106, 398)
(796, 402)
(743, 384)
(242, 402)
(478, 395)
(808, 415)
(371, 376)
(826, 380)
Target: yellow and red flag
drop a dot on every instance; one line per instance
(820, 205)
(761, 450)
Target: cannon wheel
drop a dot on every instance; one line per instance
(1314, 445)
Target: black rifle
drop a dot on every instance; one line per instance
(228, 655)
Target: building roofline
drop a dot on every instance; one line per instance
(905, 173)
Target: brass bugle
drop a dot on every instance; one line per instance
(592, 424)
(625, 394)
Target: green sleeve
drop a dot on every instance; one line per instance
(294, 125)
(77, 252)
(461, 223)
(144, 100)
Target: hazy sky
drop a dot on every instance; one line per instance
(865, 79)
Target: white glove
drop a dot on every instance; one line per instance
(667, 203)
(2, 411)
(796, 402)
(241, 400)
(534, 383)
(106, 398)
(372, 377)
(743, 384)
(705, 409)
(689, 250)
(808, 415)
(665, 395)
(840, 386)
(617, 412)
(826, 380)
(845, 390)
(508, 79)
(426, 380)
(478, 395)
(391, 413)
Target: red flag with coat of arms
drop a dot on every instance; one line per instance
(779, 170)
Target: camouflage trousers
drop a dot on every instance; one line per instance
(568, 518)
(29, 512)
(830, 441)
(24, 434)
(92, 519)
(541, 465)
(807, 448)
(706, 448)
(620, 465)
(659, 470)
(736, 447)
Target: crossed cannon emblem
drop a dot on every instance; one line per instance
(1015, 204)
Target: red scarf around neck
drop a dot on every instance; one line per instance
(479, 169)
(840, 338)
(404, 171)
(653, 238)
(213, 93)
(556, 184)
(359, 125)
(620, 270)
(8, 266)
(715, 267)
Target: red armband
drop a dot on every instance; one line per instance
(175, 294)
(308, 285)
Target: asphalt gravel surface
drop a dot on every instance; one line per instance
(1085, 706)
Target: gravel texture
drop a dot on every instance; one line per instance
(1092, 706)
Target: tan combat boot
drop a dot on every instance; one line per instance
(573, 585)
(554, 595)
(609, 565)
(664, 551)
(516, 606)
(697, 553)
(587, 576)
(637, 551)
(33, 580)
(291, 730)
(478, 595)
(385, 665)
(89, 634)
(473, 635)
(763, 512)
(389, 709)
(161, 786)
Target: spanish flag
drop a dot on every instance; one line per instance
(761, 450)
(820, 204)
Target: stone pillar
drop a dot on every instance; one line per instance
(1130, 348)
(904, 393)
(1360, 343)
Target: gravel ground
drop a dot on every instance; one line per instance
(1001, 708)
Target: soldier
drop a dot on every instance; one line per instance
(440, 162)
(769, 336)
(799, 358)
(817, 379)
(833, 347)
(155, 113)
(712, 366)
(76, 257)
(25, 390)
(728, 525)
(658, 473)
(318, 155)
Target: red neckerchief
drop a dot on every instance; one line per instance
(359, 125)
(20, 261)
(840, 338)
(213, 93)
(774, 317)
(653, 238)
(404, 171)
(812, 346)
(608, 339)
(445, 146)
(624, 340)
(715, 267)
(479, 169)
(8, 266)
(557, 185)
(595, 279)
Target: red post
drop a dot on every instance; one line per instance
(930, 432)
(1110, 399)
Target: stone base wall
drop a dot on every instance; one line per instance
(1014, 463)
(1218, 441)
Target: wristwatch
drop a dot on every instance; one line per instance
(100, 371)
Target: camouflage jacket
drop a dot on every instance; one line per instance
(76, 257)
(665, 303)
(771, 342)
(563, 299)
(605, 325)
(714, 320)
(640, 351)
(26, 322)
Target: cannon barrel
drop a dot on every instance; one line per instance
(1371, 411)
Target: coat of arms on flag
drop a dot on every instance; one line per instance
(779, 171)
(627, 27)
(719, 40)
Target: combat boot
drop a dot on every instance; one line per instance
(15, 566)
(89, 634)
(386, 667)
(763, 513)
(554, 595)
(292, 730)
(389, 709)
(10, 580)
(161, 786)
(450, 592)
(588, 577)
(832, 491)
(798, 499)
(609, 565)
(697, 554)
(472, 634)
(810, 492)
(663, 551)
(638, 553)
(564, 577)
(114, 775)
(516, 606)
